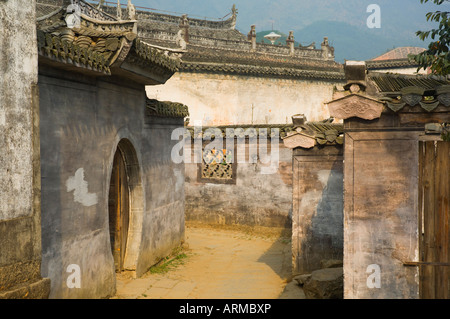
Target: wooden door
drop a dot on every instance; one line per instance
(434, 193)
(119, 210)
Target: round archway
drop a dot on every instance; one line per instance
(125, 201)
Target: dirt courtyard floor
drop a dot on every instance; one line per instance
(218, 263)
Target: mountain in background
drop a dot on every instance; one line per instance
(343, 21)
(352, 43)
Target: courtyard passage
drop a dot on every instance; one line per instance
(219, 264)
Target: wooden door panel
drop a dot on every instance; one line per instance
(434, 217)
(118, 206)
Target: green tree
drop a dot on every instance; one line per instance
(437, 57)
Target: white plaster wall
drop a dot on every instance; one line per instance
(229, 99)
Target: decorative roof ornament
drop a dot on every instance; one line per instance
(299, 119)
(272, 37)
(356, 105)
(182, 38)
(355, 73)
(234, 13)
(131, 11)
(184, 20)
(101, 3)
(119, 10)
(327, 50)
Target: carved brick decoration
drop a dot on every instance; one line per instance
(299, 140)
(356, 105)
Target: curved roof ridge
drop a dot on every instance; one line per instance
(194, 20)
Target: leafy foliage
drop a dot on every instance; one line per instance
(446, 133)
(437, 57)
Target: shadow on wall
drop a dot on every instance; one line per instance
(51, 225)
(324, 233)
(279, 255)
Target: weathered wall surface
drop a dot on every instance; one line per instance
(254, 199)
(82, 122)
(18, 66)
(217, 99)
(20, 236)
(380, 213)
(317, 219)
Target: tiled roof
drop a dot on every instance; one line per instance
(390, 64)
(98, 42)
(204, 59)
(323, 133)
(203, 54)
(166, 109)
(155, 56)
(147, 27)
(399, 53)
(152, 22)
(216, 46)
(75, 52)
(430, 93)
(368, 94)
(213, 46)
(396, 82)
(243, 130)
(282, 72)
(46, 7)
(174, 18)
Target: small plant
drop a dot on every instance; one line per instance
(170, 262)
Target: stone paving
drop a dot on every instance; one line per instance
(220, 264)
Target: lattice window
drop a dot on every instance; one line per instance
(217, 166)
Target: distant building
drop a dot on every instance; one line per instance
(396, 61)
(228, 78)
